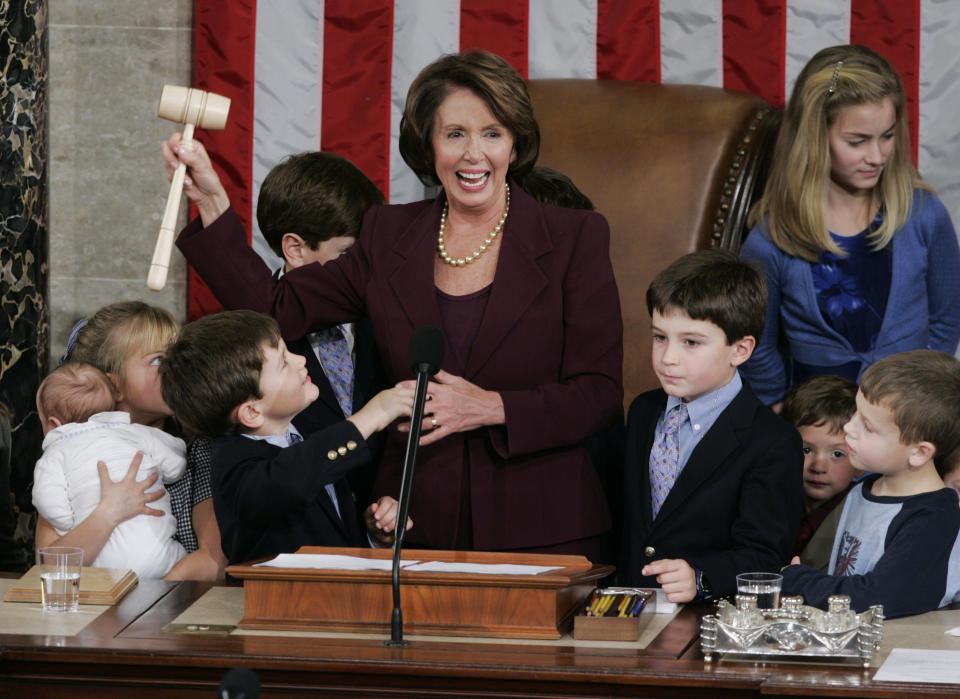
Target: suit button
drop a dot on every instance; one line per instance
(351, 445)
(342, 451)
(332, 455)
(649, 552)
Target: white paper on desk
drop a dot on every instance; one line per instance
(479, 568)
(918, 665)
(326, 561)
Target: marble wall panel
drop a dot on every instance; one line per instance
(109, 60)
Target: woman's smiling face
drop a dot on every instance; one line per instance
(472, 152)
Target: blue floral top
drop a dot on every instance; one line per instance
(852, 294)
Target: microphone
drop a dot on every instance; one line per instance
(239, 683)
(426, 355)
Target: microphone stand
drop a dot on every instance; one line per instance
(424, 371)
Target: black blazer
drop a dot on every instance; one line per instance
(734, 508)
(368, 380)
(270, 500)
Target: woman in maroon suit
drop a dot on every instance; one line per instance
(524, 293)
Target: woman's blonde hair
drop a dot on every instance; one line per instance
(118, 331)
(793, 200)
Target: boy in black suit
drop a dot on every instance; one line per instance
(309, 210)
(712, 476)
(230, 378)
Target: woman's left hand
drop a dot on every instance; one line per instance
(456, 405)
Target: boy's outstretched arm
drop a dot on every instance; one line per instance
(382, 409)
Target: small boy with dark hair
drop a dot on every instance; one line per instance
(230, 377)
(309, 210)
(712, 477)
(899, 525)
(819, 407)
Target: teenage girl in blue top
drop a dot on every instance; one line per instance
(861, 259)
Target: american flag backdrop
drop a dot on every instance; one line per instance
(333, 75)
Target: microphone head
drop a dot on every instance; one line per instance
(426, 350)
(239, 683)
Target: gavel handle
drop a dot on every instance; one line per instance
(157, 277)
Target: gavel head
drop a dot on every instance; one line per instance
(185, 105)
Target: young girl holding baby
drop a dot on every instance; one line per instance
(861, 259)
(126, 341)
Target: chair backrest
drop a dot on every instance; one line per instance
(674, 168)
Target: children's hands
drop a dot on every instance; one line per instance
(201, 184)
(128, 497)
(384, 408)
(795, 561)
(381, 520)
(676, 577)
(456, 405)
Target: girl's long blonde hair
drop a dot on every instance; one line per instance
(119, 330)
(795, 193)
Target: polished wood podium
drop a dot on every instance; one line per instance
(433, 603)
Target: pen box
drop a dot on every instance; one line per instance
(613, 614)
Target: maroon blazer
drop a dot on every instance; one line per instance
(550, 342)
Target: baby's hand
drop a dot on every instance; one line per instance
(381, 520)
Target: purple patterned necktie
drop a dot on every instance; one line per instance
(334, 353)
(665, 457)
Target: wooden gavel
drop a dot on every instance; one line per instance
(183, 105)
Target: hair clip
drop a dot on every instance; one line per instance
(72, 341)
(833, 80)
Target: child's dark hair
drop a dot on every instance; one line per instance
(316, 195)
(821, 400)
(551, 186)
(214, 367)
(922, 390)
(713, 285)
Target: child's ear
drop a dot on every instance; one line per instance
(921, 454)
(292, 246)
(249, 415)
(741, 350)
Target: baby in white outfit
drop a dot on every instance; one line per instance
(76, 407)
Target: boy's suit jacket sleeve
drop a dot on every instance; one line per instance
(264, 485)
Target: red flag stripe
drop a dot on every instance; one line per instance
(892, 29)
(499, 26)
(357, 53)
(628, 40)
(224, 55)
(754, 47)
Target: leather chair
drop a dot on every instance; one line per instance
(674, 168)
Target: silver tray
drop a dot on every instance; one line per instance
(794, 631)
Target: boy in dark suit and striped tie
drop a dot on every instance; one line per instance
(309, 210)
(712, 476)
(230, 378)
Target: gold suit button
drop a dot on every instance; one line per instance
(332, 455)
(342, 451)
(351, 445)
(649, 552)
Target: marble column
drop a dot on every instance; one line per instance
(23, 228)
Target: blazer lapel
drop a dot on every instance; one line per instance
(412, 280)
(646, 506)
(711, 453)
(518, 280)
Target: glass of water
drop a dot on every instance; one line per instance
(766, 586)
(60, 578)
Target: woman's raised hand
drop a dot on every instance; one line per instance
(202, 183)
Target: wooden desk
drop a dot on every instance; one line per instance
(124, 653)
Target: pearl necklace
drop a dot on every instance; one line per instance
(461, 261)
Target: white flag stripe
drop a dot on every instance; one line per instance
(287, 92)
(938, 155)
(563, 39)
(423, 30)
(811, 26)
(691, 42)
